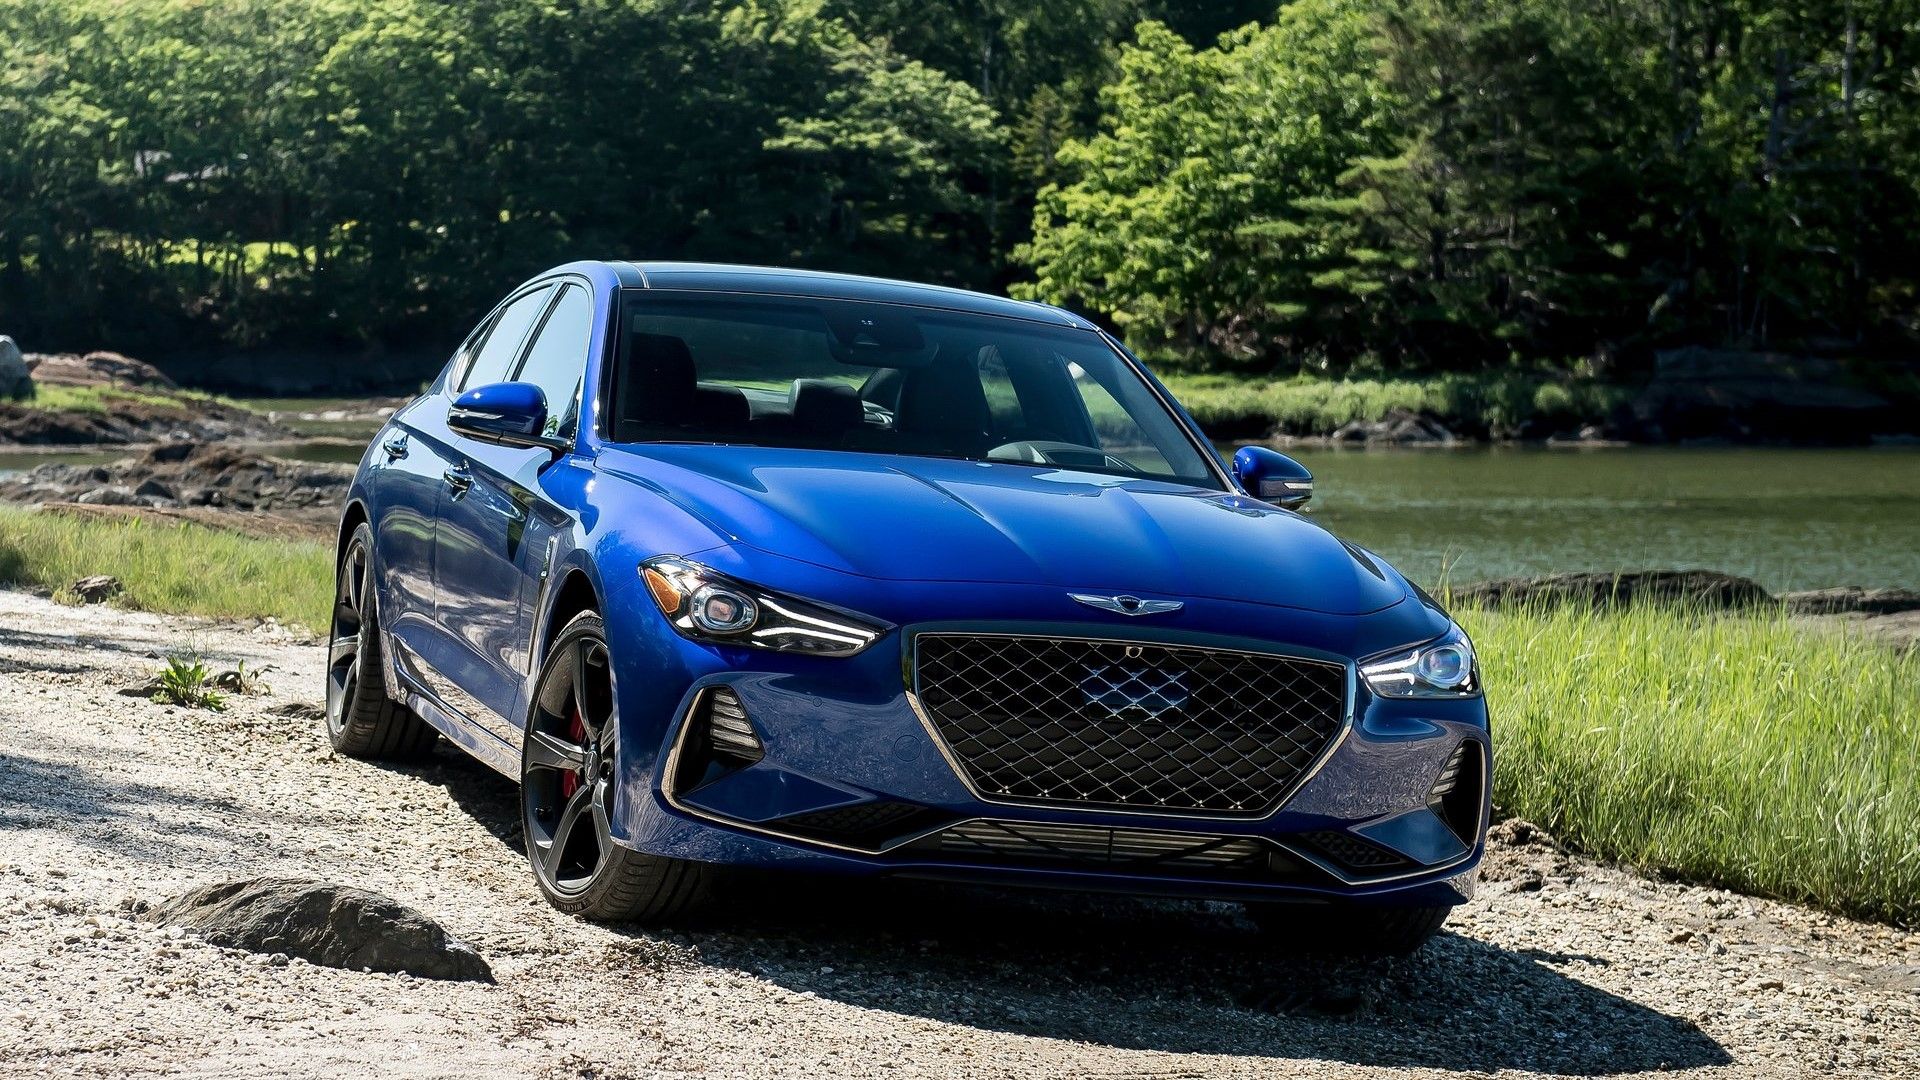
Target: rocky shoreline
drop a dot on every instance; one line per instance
(184, 474)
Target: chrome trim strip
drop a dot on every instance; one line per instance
(912, 664)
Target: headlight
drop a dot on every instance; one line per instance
(706, 605)
(1442, 668)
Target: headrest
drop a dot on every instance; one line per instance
(825, 406)
(660, 380)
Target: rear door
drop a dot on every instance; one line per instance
(495, 524)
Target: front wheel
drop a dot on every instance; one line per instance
(570, 792)
(1348, 930)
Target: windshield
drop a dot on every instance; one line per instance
(888, 379)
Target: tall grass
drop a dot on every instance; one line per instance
(188, 569)
(1230, 406)
(1741, 750)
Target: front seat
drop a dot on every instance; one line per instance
(943, 408)
(660, 388)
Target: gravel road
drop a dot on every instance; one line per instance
(1561, 967)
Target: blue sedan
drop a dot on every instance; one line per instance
(739, 566)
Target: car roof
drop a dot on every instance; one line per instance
(773, 281)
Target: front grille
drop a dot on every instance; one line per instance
(1127, 724)
(1098, 848)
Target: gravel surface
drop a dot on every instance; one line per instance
(106, 800)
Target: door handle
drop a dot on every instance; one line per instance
(395, 447)
(459, 478)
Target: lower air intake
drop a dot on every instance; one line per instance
(869, 826)
(1352, 853)
(1096, 848)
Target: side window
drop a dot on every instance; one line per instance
(503, 341)
(558, 357)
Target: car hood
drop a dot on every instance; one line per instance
(932, 519)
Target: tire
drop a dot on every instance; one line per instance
(1348, 930)
(569, 790)
(362, 721)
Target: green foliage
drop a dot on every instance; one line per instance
(256, 170)
(186, 680)
(1497, 405)
(1744, 751)
(1322, 186)
(1180, 219)
(1463, 184)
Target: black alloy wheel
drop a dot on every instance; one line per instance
(362, 721)
(570, 792)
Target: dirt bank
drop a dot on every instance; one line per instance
(1560, 967)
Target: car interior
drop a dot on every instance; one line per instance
(951, 393)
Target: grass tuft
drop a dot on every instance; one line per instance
(187, 681)
(1747, 751)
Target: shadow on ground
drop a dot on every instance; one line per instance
(94, 809)
(1149, 975)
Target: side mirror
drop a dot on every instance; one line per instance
(505, 414)
(1273, 476)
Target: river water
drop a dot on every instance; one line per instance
(1791, 519)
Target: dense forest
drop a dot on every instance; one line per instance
(1329, 185)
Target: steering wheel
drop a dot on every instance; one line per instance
(1055, 452)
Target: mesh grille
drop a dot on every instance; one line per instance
(868, 824)
(1128, 724)
(1135, 850)
(1352, 852)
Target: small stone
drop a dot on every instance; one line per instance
(96, 589)
(1680, 937)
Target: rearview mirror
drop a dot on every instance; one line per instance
(505, 414)
(1273, 476)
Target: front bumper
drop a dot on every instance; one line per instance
(854, 779)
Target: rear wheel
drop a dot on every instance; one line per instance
(1349, 930)
(362, 721)
(570, 792)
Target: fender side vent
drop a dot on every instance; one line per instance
(719, 739)
(1459, 791)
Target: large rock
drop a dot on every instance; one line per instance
(1400, 427)
(1731, 394)
(1851, 599)
(97, 369)
(16, 380)
(1706, 588)
(332, 925)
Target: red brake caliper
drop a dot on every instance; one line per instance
(577, 731)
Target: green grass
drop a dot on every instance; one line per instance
(95, 399)
(187, 569)
(1746, 751)
(1501, 405)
